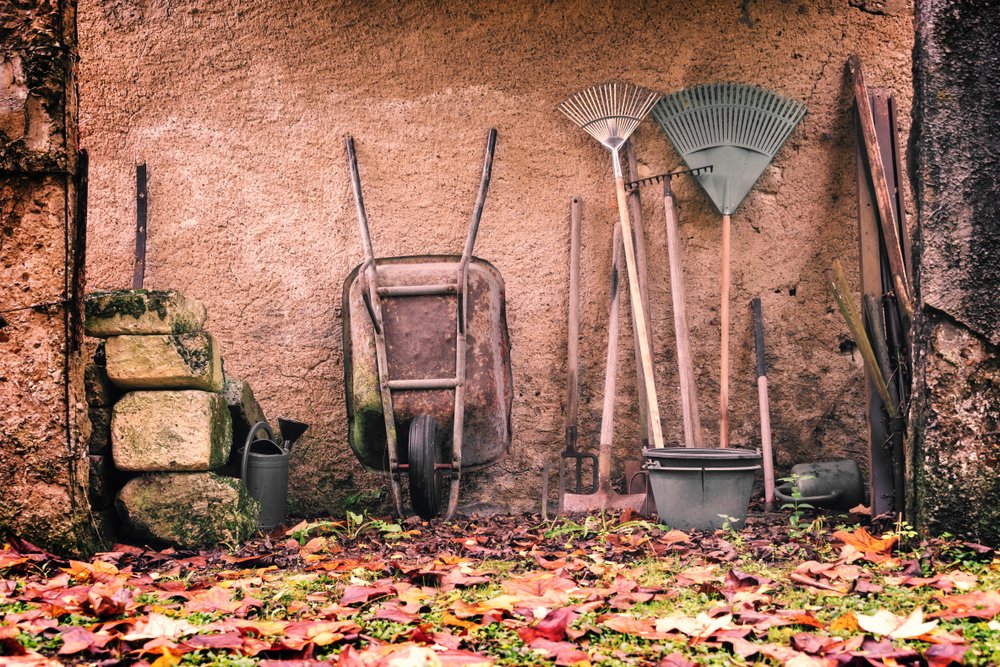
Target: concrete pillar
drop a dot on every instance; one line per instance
(43, 467)
(956, 462)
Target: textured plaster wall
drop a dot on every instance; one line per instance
(240, 109)
(957, 418)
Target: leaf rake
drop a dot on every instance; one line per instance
(610, 113)
(737, 129)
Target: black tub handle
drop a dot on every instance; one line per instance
(779, 492)
(657, 466)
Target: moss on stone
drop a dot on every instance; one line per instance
(128, 303)
(143, 312)
(188, 510)
(194, 349)
(222, 432)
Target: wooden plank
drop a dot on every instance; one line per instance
(880, 486)
(883, 201)
(899, 175)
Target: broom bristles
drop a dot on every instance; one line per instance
(610, 112)
(728, 114)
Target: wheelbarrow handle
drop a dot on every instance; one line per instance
(484, 186)
(359, 202)
(781, 493)
(259, 426)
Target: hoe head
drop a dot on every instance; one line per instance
(736, 128)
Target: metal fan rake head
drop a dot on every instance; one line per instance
(736, 127)
(610, 112)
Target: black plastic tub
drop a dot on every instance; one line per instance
(700, 488)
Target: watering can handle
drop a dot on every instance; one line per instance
(246, 445)
(780, 494)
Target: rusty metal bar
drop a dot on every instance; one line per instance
(141, 224)
(418, 290)
(423, 384)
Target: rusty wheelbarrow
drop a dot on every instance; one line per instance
(426, 362)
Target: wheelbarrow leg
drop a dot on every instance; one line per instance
(369, 287)
(458, 427)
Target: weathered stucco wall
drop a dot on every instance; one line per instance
(43, 495)
(240, 109)
(957, 78)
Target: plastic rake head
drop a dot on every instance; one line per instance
(735, 127)
(610, 112)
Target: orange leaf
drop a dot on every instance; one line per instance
(846, 623)
(874, 548)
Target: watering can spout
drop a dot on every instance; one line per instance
(291, 431)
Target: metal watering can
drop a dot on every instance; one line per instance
(265, 469)
(831, 484)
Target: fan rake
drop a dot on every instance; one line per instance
(737, 129)
(610, 113)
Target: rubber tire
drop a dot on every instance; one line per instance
(425, 485)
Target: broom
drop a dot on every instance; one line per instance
(738, 129)
(610, 113)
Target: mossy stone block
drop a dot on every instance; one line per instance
(188, 510)
(179, 361)
(143, 312)
(170, 431)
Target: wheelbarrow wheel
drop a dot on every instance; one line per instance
(425, 483)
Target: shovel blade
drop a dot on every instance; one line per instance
(595, 502)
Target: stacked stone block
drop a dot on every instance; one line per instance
(171, 427)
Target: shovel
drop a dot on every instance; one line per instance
(604, 497)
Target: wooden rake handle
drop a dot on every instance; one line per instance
(724, 347)
(638, 312)
(685, 362)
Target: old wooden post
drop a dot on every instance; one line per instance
(43, 496)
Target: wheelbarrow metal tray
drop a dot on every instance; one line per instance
(420, 344)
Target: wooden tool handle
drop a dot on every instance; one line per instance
(639, 241)
(573, 343)
(764, 402)
(685, 363)
(724, 322)
(638, 312)
(610, 369)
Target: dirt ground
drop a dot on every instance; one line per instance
(240, 109)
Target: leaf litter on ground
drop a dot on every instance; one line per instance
(512, 590)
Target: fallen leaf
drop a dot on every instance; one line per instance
(977, 604)
(363, 594)
(699, 628)
(875, 549)
(887, 624)
(846, 623)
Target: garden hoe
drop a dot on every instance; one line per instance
(610, 113)
(738, 129)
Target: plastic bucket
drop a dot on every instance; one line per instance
(698, 488)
